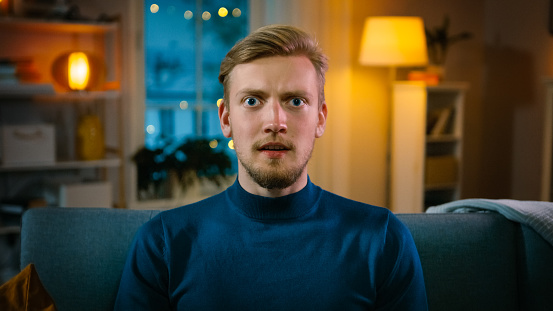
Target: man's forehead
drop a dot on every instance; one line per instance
(291, 73)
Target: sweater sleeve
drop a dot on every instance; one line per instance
(402, 283)
(144, 281)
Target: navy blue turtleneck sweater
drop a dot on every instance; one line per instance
(311, 250)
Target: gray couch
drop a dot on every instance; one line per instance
(470, 261)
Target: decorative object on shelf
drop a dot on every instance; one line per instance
(78, 71)
(187, 163)
(39, 8)
(90, 138)
(438, 41)
(28, 144)
(393, 41)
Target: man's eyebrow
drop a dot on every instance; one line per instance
(262, 94)
(252, 92)
(299, 93)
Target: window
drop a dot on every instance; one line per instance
(185, 42)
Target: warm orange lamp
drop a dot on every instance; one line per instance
(393, 41)
(77, 71)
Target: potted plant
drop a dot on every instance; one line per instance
(186, 163)
(438, 41)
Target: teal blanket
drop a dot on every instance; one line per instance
(535, 214)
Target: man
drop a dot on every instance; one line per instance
(273, 240)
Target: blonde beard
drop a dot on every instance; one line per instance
(275, 176)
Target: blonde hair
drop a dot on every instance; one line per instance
(274, 40)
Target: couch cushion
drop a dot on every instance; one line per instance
(25, 292)
(468, 260)
(86, 248)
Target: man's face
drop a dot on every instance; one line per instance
(273, 117)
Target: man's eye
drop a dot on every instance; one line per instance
(251, 101)
(296, 102)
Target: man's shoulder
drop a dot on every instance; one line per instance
(347, 204)
(362, 213)
(187, 213)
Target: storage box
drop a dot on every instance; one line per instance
(440, 170)
(90, 194)
(28, 144)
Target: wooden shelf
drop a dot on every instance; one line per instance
(45, 93)
(77, 96)
(427, 143)
(442, 186)
(63, 165)
(442, 139)
(40, 40)
(448, 87)
(47, 25)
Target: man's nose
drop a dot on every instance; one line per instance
(276, 118)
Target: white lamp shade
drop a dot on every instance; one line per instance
(393, 41)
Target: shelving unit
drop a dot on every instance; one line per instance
(547, 165)
(43, 102)
(427, 141)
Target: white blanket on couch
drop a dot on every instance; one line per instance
(535, 214)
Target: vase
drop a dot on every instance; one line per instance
(437, 70)
(90, 138)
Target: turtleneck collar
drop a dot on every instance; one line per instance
(264, 208)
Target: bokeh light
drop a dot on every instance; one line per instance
(223, 12)
(154, 8)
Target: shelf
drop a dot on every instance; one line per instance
(40, 92)
(78, 96)
(46, 25)
(62, 165)
(442, 139)
(441, 186)
(448, 87)
(10, 230)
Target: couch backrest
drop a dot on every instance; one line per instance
(482, 261)
(470, 261)
(79, 253)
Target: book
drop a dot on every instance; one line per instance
(441, 122)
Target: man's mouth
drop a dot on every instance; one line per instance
(274, 150)
(273, 147)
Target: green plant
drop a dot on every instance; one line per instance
(438, 41)
(189, 161)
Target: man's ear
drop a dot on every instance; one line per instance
(224, 119)
(321, 125)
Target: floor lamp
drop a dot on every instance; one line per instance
(393, 41)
